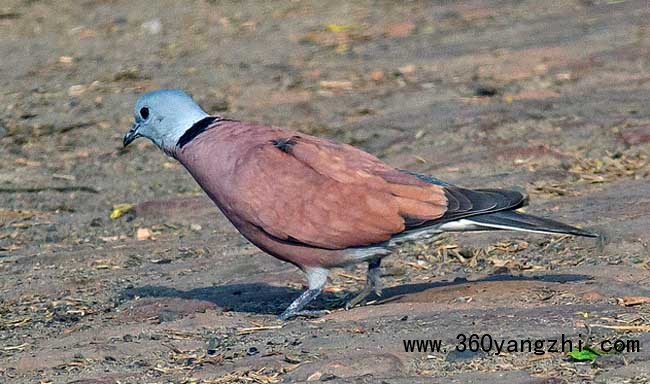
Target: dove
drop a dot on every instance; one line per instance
(316, 203)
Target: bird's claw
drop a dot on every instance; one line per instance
(361, 296)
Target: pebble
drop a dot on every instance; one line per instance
(152, 27)
(76, 90)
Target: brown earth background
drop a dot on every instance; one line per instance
(552, 96)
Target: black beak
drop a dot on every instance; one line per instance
(131, 135)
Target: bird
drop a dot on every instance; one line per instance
(316, 203)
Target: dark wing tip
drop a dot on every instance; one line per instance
(473, 202)
(494, 207)
(522, 221)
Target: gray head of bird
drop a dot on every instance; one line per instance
(163, 116)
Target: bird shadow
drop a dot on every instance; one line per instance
(262, 298)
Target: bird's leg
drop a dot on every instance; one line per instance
(373, 283)
(316, 277)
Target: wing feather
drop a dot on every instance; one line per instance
(334, 196)
(330, 195)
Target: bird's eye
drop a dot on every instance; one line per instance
(144, 113)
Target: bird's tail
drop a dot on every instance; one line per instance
(516, 221)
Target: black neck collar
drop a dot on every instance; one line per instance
(196, 129)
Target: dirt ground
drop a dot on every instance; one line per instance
(550, 96)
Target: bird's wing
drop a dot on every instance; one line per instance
(319, 193)
(316, 192)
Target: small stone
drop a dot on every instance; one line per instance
(336, 84)
(76, 90)
(408, 69)
(152, 27)
(377, 75)
(196, 227)
(315, 376)
(143, 234)
(66, 60)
